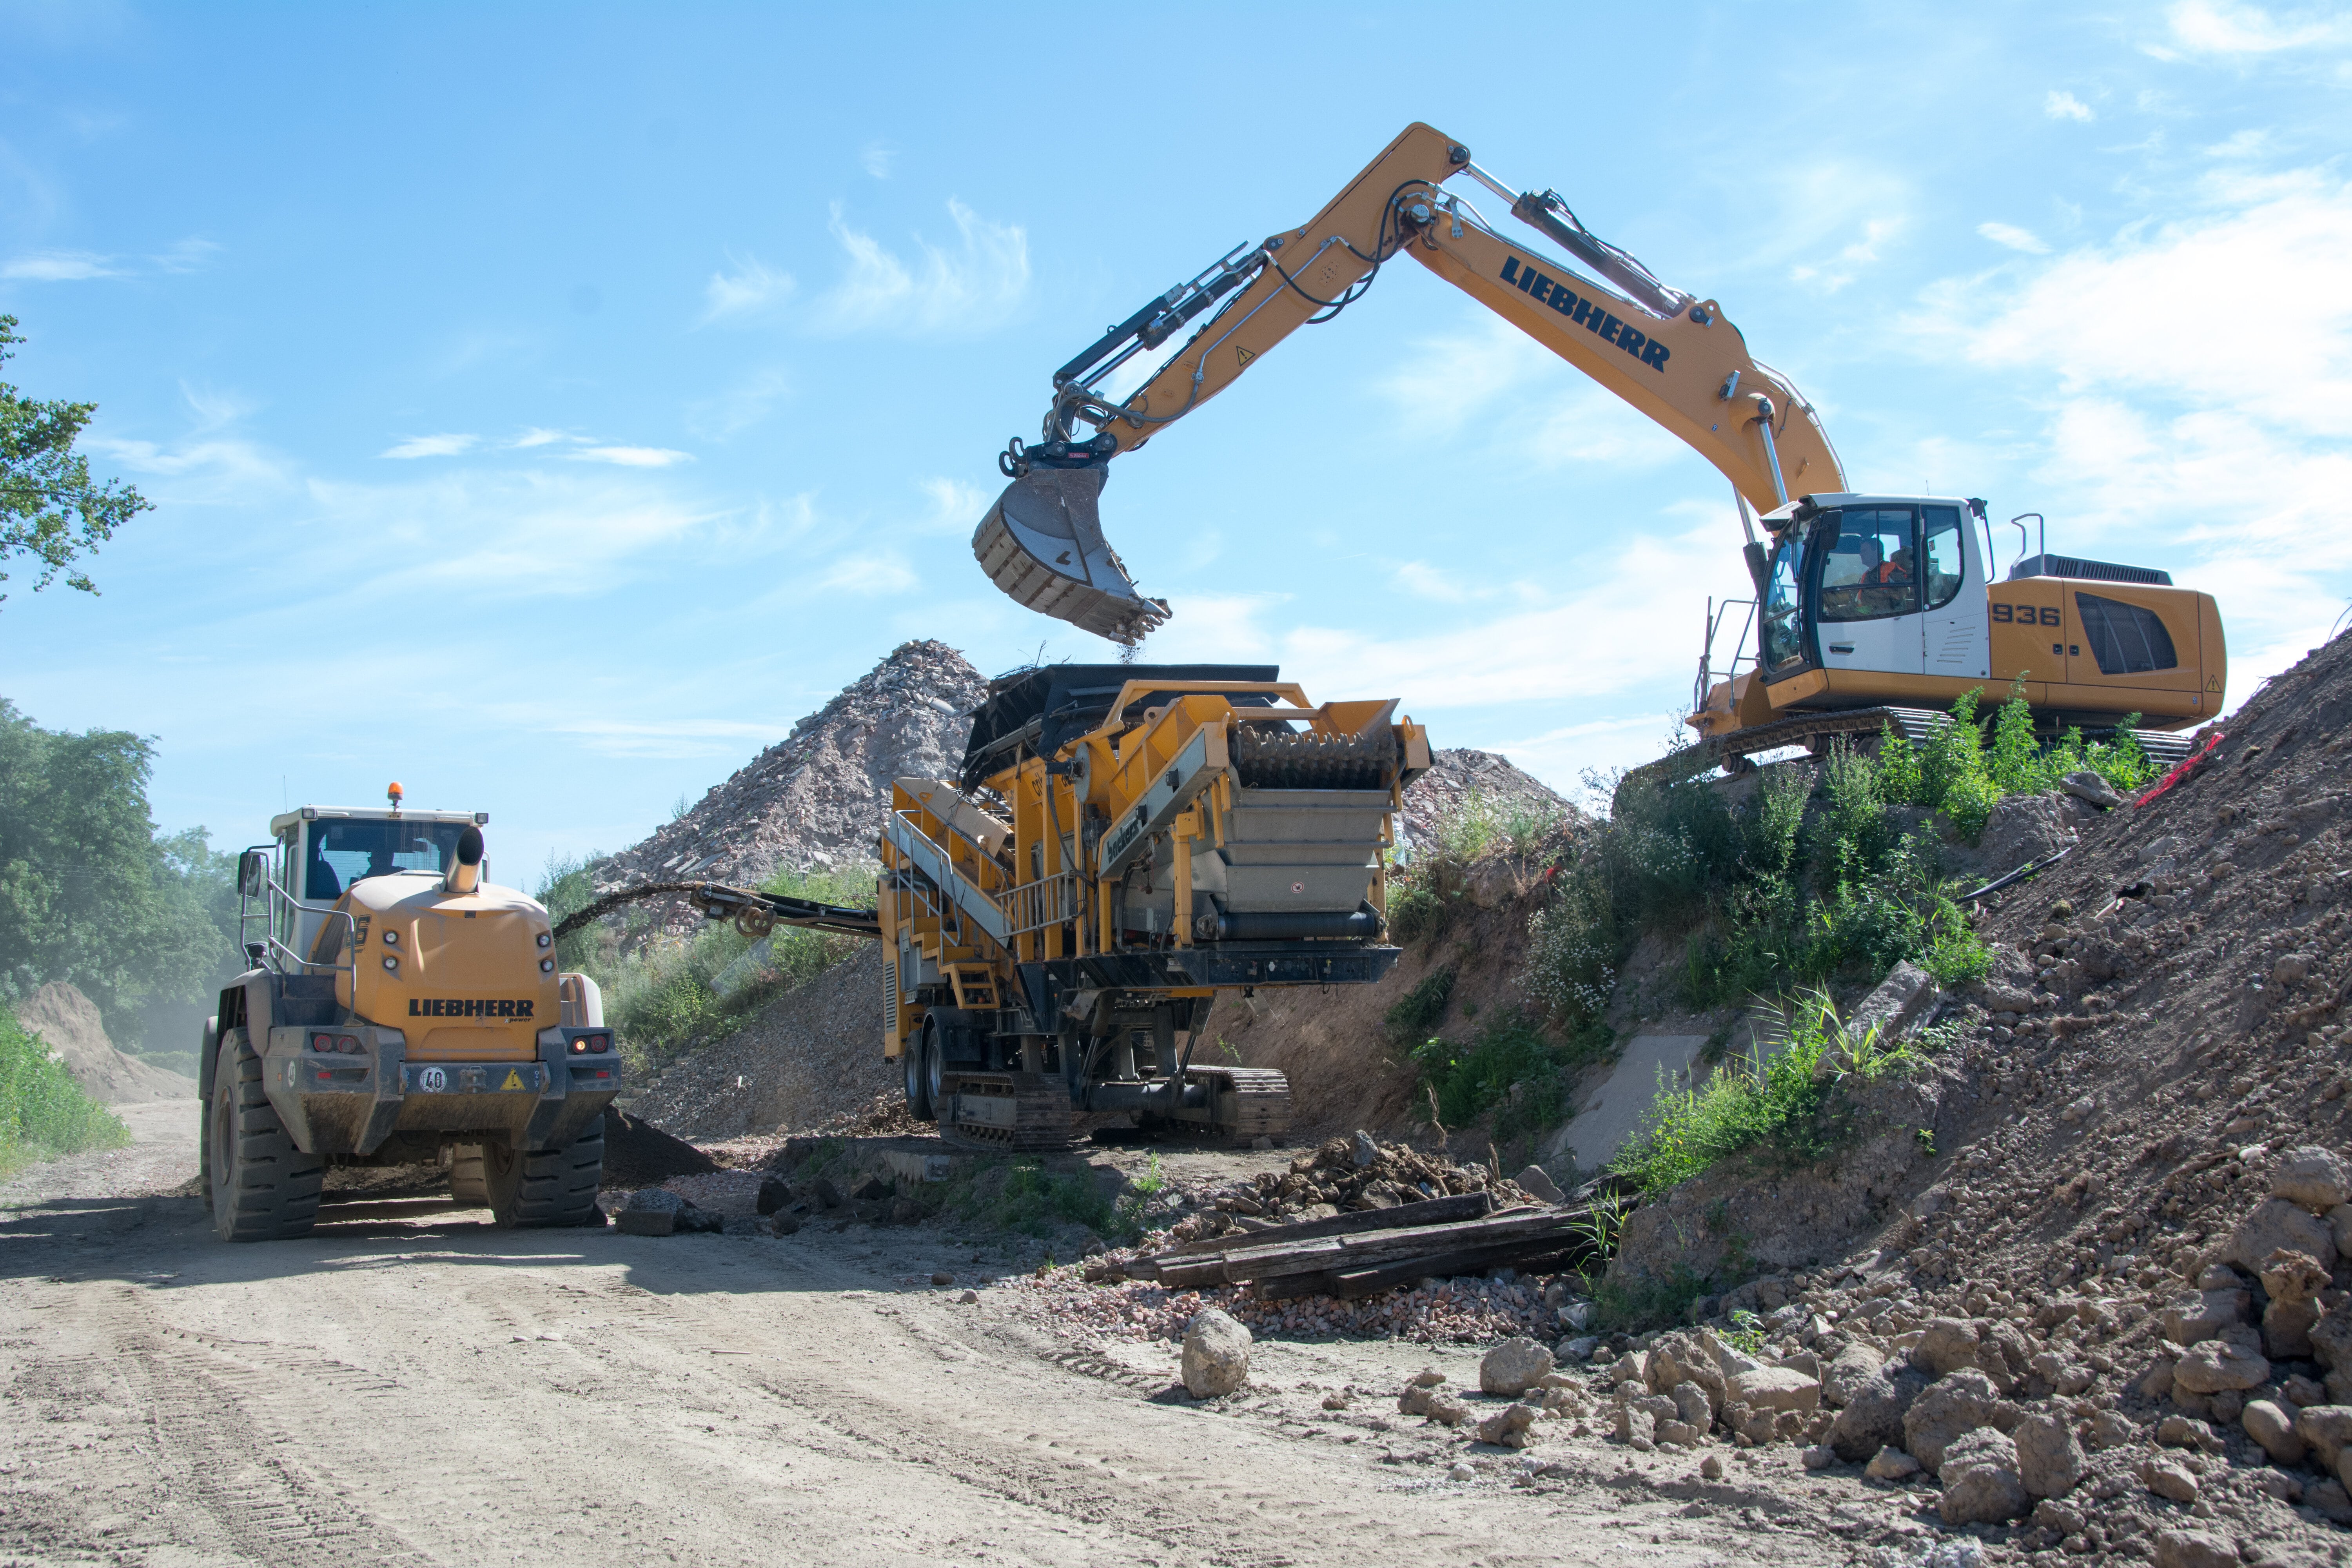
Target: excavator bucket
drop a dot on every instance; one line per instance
(1042, 542)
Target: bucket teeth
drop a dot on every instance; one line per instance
(1042, 542)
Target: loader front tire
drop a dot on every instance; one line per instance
(263, 1188)
(914, 1060)
(467, 1183)
(542, 1187)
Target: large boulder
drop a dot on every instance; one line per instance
(2272, 1428)
(1981, 1485)
(2049, 1461)
(1775, 1388)
(2230, 1360)
(2314, 1177)
(2194, 1549)
(1856, 1365)
(2274, 1223)
(1946, 1411)
(2292, 1280)
(1513, 1367)
(2195, 1315)
(1946, 1345)
(1216, 1354)
(1873, 1416)
(2328, 1429)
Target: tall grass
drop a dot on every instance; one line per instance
(1510, 1067)
(659, 991)
(1777, 1108)
(1956, 771)
(44, 1113)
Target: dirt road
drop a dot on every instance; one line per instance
(410, 1385)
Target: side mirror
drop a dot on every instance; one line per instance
(252, 873)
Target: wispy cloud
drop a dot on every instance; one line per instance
(747, 289)
(2014, 237)
(955, 507)
(1848, 263)
(536, 436)
(968, 287)
(877, 158)
(186, 256)
(741, 405)
(59, 266)
(631, 457)
(867, 576)
(2063, 105)
(2217, 27)
(444, 446)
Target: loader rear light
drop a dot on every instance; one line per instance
(348, 1045)
(584, 1045)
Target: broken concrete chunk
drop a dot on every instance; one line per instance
(651, 1211)
(1981, 1485)
(2086, 785)
(1513, 1367)
(2196, 1315)
(1775, 1388)
(1946, 1411)
(1873, 1416)
(2231, 1361)
(1216, 1354)
(2049, 1460)
(1541, 1184)
(775, 1194)
(1891, 1465)
(2313, 1177)
(2274, 1223)
(2328, 1429)
(1856, 1365)
(2194, 1549)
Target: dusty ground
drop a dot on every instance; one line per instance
(410, 1385)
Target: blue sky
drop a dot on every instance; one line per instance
(547, 406)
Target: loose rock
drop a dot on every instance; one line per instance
(2312, 1177)
(1980, 1480)
(1946, 1411)
(1216, 1354)
(2049, 1460)
(2272, 1427)
(1513, 1367)
(2193, 1549)
(1891, 1465)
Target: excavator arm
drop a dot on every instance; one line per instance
(1674, 358)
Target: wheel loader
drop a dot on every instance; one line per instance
(1872, 609)
(398, 1009)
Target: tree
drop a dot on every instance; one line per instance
(144, 924)
(49, 509)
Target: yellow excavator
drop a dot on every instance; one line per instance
(1870, 609)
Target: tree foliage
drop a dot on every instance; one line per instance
(49, 508)
(142, 922)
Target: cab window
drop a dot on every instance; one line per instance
(1939, 532)
(1872, 569)
(343, 850)
(1783, 635)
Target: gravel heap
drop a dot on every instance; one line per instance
(814, 801)
(1343, 1173)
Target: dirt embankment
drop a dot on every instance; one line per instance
(68, 1024)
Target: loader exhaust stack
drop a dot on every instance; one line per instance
(1043, 543)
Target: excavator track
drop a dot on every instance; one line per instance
(1009, 1113)
(1814, 730)
(1245, 1102)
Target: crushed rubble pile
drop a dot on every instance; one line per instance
(1457, 773)
(1342, 1175)
(1463, 1310)
(815, 800)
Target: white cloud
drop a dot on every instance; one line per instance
(186, 256)
(631, 457)
(741, 405)
(877, 158)
(2016, 238)
(1524, 401)
(536, 436)
(969, 288)
(955, 507)
(1847, 265)
(2063, 105)
(446, 446)
(867, 576)
(2217, 27)
(2137, 313)
(59, 266)
(751, 290)
(2240, 144)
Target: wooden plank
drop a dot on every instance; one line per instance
(1429, 1211)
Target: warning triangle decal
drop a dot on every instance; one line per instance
(514, 1079)
(1245, 355)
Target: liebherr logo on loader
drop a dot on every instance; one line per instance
(468, 1007)
(1585, 313)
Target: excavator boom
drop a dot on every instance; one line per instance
(1673, 357)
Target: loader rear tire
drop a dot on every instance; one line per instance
(263, 1188)
(543, 1187)
(915, 1059)
(467, 1183)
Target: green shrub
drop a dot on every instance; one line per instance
(1022, 1195)
(1956, 771)
(661, 998)
(1415, 913)
(44, 1113)
(1507, 1066)
(1419, 1010)
(1778, 1110)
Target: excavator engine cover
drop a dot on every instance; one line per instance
(1042, 542)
